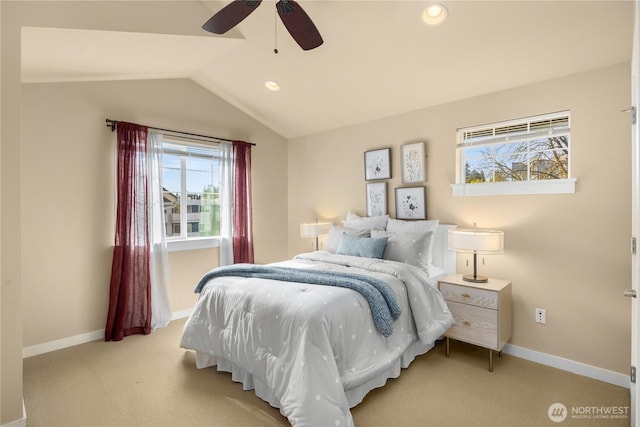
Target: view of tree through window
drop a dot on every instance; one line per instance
(546, 158)
(191, 190)
(528, 150)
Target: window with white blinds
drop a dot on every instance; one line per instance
(524, 156)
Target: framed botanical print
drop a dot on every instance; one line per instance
(411, 203)
(413, 163)
(376, 199)
(377, 164)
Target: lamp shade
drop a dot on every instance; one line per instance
(477, 240)
(314, 229)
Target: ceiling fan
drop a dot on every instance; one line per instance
(294, 18)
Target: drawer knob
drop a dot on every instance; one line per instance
(466, 323)
(466, 296)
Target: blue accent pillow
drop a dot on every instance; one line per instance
(365, 247)
(335, 234)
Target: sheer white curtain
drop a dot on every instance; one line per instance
(158, 265)
(226, 203)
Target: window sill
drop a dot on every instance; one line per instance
(193, 244)
(556, 186)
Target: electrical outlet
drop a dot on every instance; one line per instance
(541, 315)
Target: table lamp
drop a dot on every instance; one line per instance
(314, 229)
(476, 241)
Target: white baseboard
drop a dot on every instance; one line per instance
(46, 347)
(17, 423)
(22, 422)
(181, 314)
(568, 365)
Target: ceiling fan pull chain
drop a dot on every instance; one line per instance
(275, 30)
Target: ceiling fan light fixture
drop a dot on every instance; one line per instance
(271, 85)
(434, 14)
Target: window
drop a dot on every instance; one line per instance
(525, 156)
(191, 193)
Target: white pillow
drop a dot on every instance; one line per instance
(335, 234)
(367, 222)
(411, 248)
(352, 215)
(398, 225)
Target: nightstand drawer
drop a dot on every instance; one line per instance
(475, 325)
(469, 295)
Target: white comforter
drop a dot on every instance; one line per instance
(311, 350)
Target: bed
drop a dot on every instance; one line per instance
(315, 351)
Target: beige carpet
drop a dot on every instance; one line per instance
(150, 381)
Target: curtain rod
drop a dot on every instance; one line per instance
(113, 123)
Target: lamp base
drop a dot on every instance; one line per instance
(475, 279)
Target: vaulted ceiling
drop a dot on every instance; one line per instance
(378, 58)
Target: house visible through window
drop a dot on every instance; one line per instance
(191, 191)
(523, 156)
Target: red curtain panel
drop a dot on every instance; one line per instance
(130, 294)
(242, 208)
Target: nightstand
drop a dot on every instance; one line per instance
(482, 312)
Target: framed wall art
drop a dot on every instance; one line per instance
(377, 164)
(411, 203)
(413, 163)
(376, 199)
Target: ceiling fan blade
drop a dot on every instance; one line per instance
(299, 25)
(230, 16)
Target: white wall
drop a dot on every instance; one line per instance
(568, 253)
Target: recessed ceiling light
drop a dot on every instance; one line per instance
(271, 85)
(434, 14)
